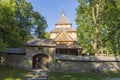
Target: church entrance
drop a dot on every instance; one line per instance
(40, 61)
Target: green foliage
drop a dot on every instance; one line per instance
(1, 45)
(9, 73)
(47, 35)
(17, 21)
(39, 25)
(110, 39)
(9, 32)
(23, 18)
(29, 20)
(85, 28)
(109, 26)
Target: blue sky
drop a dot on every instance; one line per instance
(51, 10)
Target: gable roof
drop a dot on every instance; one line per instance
(63, 36)
(63, 20)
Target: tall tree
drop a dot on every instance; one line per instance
(85, 29)
(9, 33)
(17, 20)
(95, 4)
(112, 23)
(29, 20)
(39, 25)
(23, 18)
(101, 17)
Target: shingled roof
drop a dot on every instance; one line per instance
(63, 36)
(68, 29)
(40, 42)
(63, 20)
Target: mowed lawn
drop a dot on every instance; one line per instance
(83, 76)
(9, 73)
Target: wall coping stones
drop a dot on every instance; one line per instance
(88, 58)
(19, 51)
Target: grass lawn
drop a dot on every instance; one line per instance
(83, 76)
(8, 73)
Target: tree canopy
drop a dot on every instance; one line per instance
(9, 33)
(98, 26)
(29, 20)
(17, 21)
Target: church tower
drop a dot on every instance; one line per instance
(63, 24)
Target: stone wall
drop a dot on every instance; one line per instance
(49, 51)
(25, 61)
(72, 63)
(14, 60)
(64, 63)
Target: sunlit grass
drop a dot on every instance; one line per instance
(83, 76)
(9, 73)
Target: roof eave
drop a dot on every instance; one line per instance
(63, 24)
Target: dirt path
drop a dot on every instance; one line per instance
(37, 74)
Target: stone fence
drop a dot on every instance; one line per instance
(71, 63)
(14, 60)
(87, 58)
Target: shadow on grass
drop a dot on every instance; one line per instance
(82, 76)
(9, 73)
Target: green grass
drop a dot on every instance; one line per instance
(9, 73)
(83, 76)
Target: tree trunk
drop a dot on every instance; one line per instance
(95, 15)
(95, 43)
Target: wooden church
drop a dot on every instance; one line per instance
(65, 37)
